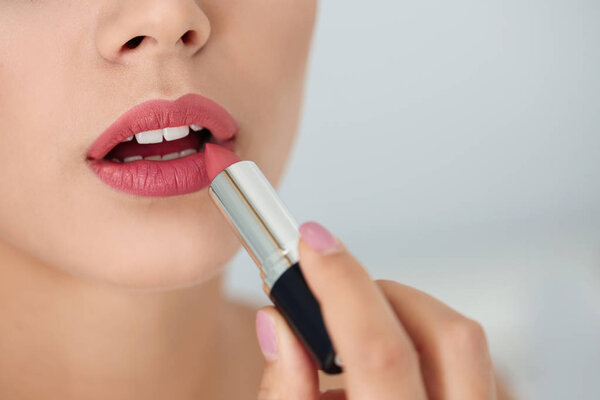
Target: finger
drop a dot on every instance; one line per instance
(289, 372)
(377, 354)
(455, 360)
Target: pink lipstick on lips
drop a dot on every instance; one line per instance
(270, 235)
(156, 149)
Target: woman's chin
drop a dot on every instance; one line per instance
(147, 269)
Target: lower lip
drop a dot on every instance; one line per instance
(156, 178)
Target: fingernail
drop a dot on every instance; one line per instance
(319, 238)
(267, 337)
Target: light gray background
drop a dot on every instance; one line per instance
(454, 146)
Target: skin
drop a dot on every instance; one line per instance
(402, 344)
(107, 295)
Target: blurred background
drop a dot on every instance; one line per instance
(455, 147)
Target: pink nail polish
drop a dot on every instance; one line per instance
(319, 238)
(267, 337)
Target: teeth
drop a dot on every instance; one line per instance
(166, 157)
(132, 159)
(170, 156)
(149, 137)
(187, 152)
(168, 134)
(176, 133)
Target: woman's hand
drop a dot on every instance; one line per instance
(395, 342)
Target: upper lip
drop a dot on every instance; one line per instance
(191, 109)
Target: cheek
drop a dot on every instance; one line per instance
(30, 77)
(35, 113)
(265, 46)
(36, 109)
(270, 40)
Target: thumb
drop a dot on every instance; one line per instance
(289, 372)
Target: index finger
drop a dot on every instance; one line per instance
(378, 356)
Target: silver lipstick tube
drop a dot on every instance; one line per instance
(270, 235)
(262, 222)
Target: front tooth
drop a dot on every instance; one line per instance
(196, 127)
(129, 139)
(153, 158)
(176, 133)
(132, 159)
(187, 152)
(149, 137)
(170, 156)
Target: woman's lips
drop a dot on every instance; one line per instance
(162, 178)
(157, 178)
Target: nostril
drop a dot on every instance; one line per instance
(189, 37)
(133, 43)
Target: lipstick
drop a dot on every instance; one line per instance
(270, 235)
(179, 175)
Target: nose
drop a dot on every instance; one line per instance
(133, 30)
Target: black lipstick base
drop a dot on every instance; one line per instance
(292, 296)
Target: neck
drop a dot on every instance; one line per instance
(72, 338)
